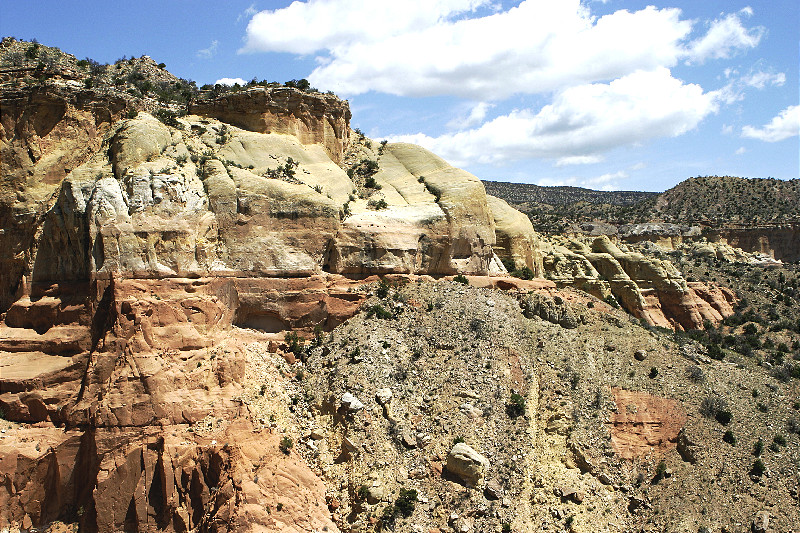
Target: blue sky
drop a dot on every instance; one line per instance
(603, 94)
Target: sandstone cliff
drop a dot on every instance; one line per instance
(648, 288)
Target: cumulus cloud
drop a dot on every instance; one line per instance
(759, 79)
(578, 160)
(211, 51)
(424, 47)
(605, 182)
(582, 121)
(305, 27)
(783, 126)
(476, 115)
(724, 38)
(230, 81)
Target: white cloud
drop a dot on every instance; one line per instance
(247, 13)
(638, 166)
(230, 81)
(724, 38)
(582, 121)
(606, 182)
(578, 160)
(211, 51)
(759, 79)
(305, 27)
(476, 115)
(424, 47)
(783, 126)
(741, 150)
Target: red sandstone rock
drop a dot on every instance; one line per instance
(644, 424)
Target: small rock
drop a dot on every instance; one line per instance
(384, 396)
(761, 522)
(640, 355)
(351, 403)
(493, 491)
(317, 434)
(349, 446)
(375, 495)
(409, 439)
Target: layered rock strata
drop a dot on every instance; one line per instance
(650, 289)
(313, 118)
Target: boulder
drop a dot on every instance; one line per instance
(469, 465)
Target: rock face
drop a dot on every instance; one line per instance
(313, 118)
(650, 289)
(781, 242)
(115, 480)
(46, 131)
(643, 423)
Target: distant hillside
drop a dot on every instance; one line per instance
(728, 200)
(711, 201)
(526, 192)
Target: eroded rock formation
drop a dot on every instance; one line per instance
(648, 288)
(313, 118)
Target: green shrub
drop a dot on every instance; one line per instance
(758, 468)
(377, 204)
(516, 407)
(461, 279)
(378, 311)
(729, 438)
(715, 352)
(285, 445)
(758, 447)
(653, 373)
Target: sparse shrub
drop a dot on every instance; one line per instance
(653, 373)
(758, 447)
(516, 407)
(610, 300)
(377, 204)
(461, 278)
(181, 159)
(406, 501)
(523, 273)
(131, 113)
(370, 183)
(661, 470)
(758, 468)
(168, 117)
(458, 440)
(779, 439)
(715, 352)
(378, 311)
(295, 343)
(285, 445)
(729, 438)
(714, 406)
(403, 506)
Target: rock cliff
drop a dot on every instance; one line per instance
(648, 288)
(313, 118)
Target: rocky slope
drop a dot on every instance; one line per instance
(156, 270)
